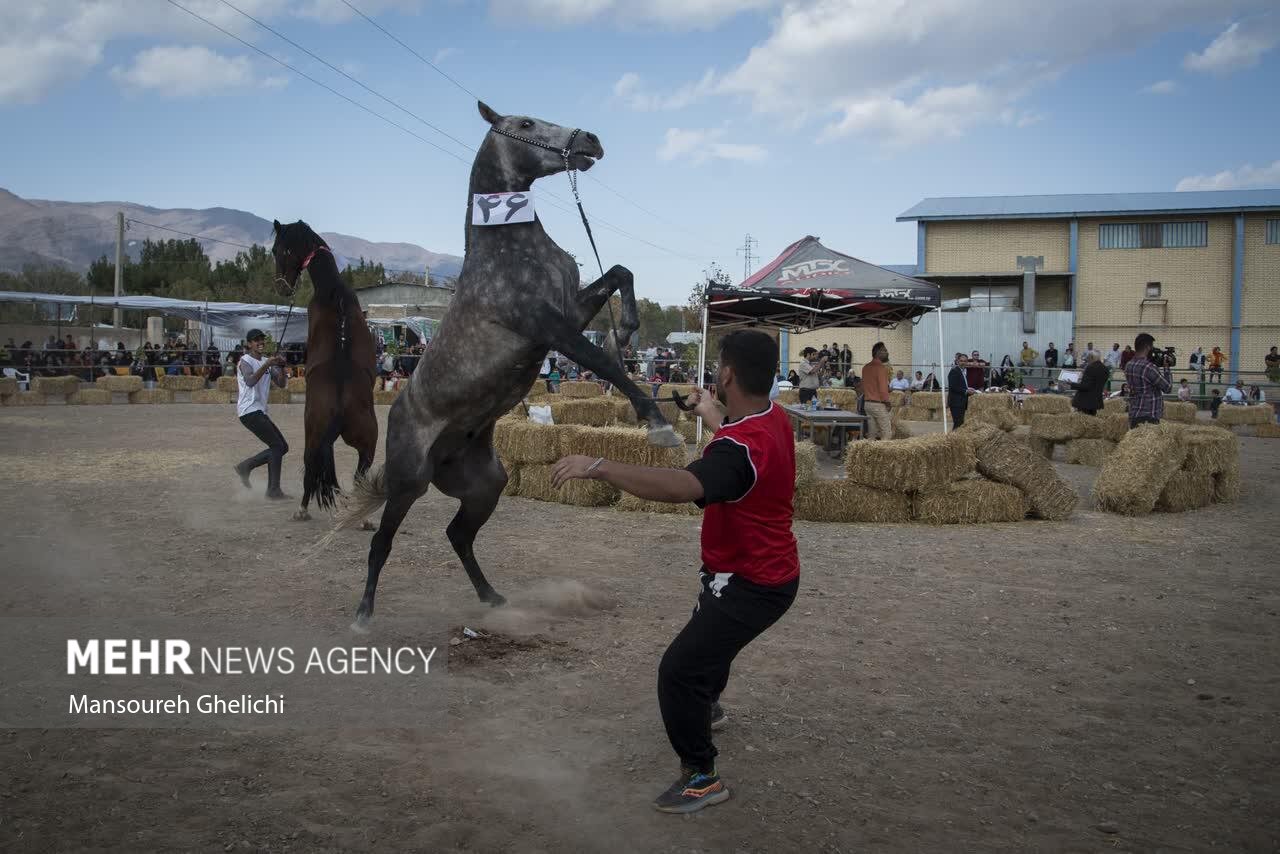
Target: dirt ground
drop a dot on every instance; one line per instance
(1096, 685)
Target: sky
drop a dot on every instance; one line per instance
(719, 118)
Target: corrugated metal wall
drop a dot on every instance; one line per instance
(992, 333)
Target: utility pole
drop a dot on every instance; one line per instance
(116, 319)
(747, 257)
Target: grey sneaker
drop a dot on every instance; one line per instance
(692, 791)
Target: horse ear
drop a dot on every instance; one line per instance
(487, 113)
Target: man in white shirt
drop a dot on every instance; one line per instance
(1235, 394)
(254, 376)
(899, 383)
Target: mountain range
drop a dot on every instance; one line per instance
(75, 234)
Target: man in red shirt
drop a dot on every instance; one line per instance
(750, 573)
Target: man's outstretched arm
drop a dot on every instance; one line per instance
(673, 486)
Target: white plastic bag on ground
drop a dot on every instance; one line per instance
(540, 414)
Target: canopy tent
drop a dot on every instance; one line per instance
(810, 287)
(227, 322)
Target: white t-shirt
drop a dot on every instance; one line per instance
(251, 398)
(900, 385)
(1234, 395)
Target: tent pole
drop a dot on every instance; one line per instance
(702, 367)
(942, 369)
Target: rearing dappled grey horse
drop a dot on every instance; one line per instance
(518, 296)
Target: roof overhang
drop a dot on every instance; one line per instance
(1105, 214)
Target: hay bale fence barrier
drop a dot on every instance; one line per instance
(8, 387)
(56, 387)
(181, 382)
(1271, 430)
(90, 397)
(1236, 416)
(971, 501)
(119, 384)
(910, 465)
(1004, 460)
(1089, 452)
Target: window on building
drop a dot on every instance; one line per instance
(1153, 290)
(1273, 231)
(1153, 235)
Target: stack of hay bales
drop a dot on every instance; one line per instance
(151, 395)
(297, 385)
(1270, 430)
(789, 396)
(1115, 406)
(1082, 434)
(995, 408)
(925, 406)
(181, 382)
(938, 479)
(54, 389)
(227, 384)
(116, 384)
(8, 389)
(279, 395)
(576, 389)
(1042, 404)
(1236, 416)
(1177, 410)
(1169, 467)
(90, 397)
(585, 411)
(1004, 460)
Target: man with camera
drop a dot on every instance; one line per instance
(1147, 374)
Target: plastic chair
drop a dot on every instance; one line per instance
(24, 380)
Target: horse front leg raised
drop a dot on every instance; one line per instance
(594, 297)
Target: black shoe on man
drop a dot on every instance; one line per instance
(243, 474)
(691, 792)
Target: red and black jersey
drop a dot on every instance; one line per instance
(748, 475)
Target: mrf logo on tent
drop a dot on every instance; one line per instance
(812, 269)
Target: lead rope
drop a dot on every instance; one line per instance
(573, 185)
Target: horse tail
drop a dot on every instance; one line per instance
(369, 494)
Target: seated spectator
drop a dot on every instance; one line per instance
(1256, 395)
(899, 383)
(1184, 390)
(1215, 402)
(793, 378)
(1235, 394)
(918, 383)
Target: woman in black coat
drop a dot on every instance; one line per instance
(1093, 384)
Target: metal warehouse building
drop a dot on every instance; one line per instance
(1196, 269)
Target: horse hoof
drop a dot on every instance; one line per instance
(361, 624)
(366, 525)
(495, 599)
(302, 516)
(665, 437)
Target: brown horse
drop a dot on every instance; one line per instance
(340, 364)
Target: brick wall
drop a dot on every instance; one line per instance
(994, 247)
(1260, 314)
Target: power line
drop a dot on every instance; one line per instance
(188, 234)
(433, 66)
(562, 205)
(747, 257)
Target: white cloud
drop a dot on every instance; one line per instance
(444, 53)
(1161, 87)
(1245, 177)
(54, 42)
(1236, 47)
(698, 146)
(630, 90)
(186, 72)
(673, 14)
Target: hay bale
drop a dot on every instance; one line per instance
(1210, 450)
(1061, 428)
(1115, 406)
(987, 401)
(789, 396)
(535, 483)
(522, 442)
(226, 384)
(897, 399)
(151, 395)
(90, 397)
(576, 389)
(1226, 485)
(972, 501)
(211, 395)
(1114, 426)
(926, 400)
(1133, 476)
(806, 464)
(688, 429)
(900, 430)
(1177, 410)
(620, 444)
(1041, 447)
(842, 500)
(683, 389)
(624, 412)
(181, 382)
(847, 398)
(1186, 491)
(54, 386)
(909, 465)
(1233, 416)
(115, 383)
(1089, 452)
(916, 413)
(1267, 431)
(383, 397)
(1055, 404)
(632, 504)
(1004, 460)
(593, 412)
(8, 386)
(282, 395)
(1002, 419)
(296, 385)
(24, 398)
